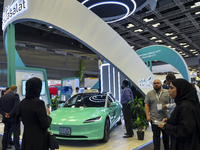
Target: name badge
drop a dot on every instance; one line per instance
(159, 107)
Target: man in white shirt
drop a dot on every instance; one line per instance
(76, 91)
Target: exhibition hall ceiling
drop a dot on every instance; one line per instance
(174, 23)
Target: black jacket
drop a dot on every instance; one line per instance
(36, 123)
(183, 126)
(9, 103)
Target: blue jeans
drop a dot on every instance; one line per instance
(11, 127)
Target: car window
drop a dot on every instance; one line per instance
(86, 100)
(95, 101)
(72, 101)
(112, 97)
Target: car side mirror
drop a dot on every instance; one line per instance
(113, 104)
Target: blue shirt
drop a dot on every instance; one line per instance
(165, 87)
(127, 95)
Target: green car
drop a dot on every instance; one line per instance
(86, 116)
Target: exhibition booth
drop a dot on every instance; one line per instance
(96, 34)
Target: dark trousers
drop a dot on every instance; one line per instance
(156, 137)
(11, 127)
(127, 119)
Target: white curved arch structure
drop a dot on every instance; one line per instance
(73, 18)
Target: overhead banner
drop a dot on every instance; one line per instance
(165, 54)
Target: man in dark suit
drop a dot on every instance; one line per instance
(9, 104)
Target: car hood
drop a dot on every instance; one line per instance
(75, 116)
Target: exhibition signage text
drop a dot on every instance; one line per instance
(12, 10)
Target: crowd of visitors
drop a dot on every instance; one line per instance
(31, 111)
(172, 109)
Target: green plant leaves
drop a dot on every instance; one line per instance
(139, 111)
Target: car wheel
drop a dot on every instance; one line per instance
(106, 131)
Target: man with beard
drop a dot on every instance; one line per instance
(154, 101)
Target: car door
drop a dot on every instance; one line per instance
(113, 109)
(119, 107)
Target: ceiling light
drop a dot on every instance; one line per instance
(130, 7)
(183, 54)
(182, 43)
(169, 46)
(50, 27)
(159, 41)
(192, 50)
(195, 5)
(197, 54)
(186, 56)
(153, 38)
(155, 25)
(168, 34)
(198, 12)
(174, 48)
(132, 46)
(138, 30)
(180, 52)
(174, 37)
(130, 25)
(148, 20)
(186, 46)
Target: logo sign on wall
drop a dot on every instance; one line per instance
(28, 76)
(146, 83)
(16, 7)
(165, 54)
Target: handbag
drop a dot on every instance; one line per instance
(52, 141)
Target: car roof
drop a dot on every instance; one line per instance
(91, 93)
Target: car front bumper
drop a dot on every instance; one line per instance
(84, 131)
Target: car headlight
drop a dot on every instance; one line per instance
(93, 119)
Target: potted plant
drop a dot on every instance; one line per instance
(54, 102)
(140, 122)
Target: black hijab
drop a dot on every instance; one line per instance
(33, 88)
(185, 92)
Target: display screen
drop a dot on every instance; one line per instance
(24, 88)
(66, 93)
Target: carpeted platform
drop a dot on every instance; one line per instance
(149, 146)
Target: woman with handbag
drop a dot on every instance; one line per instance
(34, 117)
(184, 124)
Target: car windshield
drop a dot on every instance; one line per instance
(86, 100)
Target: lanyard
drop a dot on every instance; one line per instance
(158, 97)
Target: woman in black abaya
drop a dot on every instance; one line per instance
(33, 114)
(184, 123)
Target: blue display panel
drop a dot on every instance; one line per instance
(24, 88)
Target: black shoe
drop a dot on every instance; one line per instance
(125, 133)
(127, 136)
(9, 147)
(11, 142)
